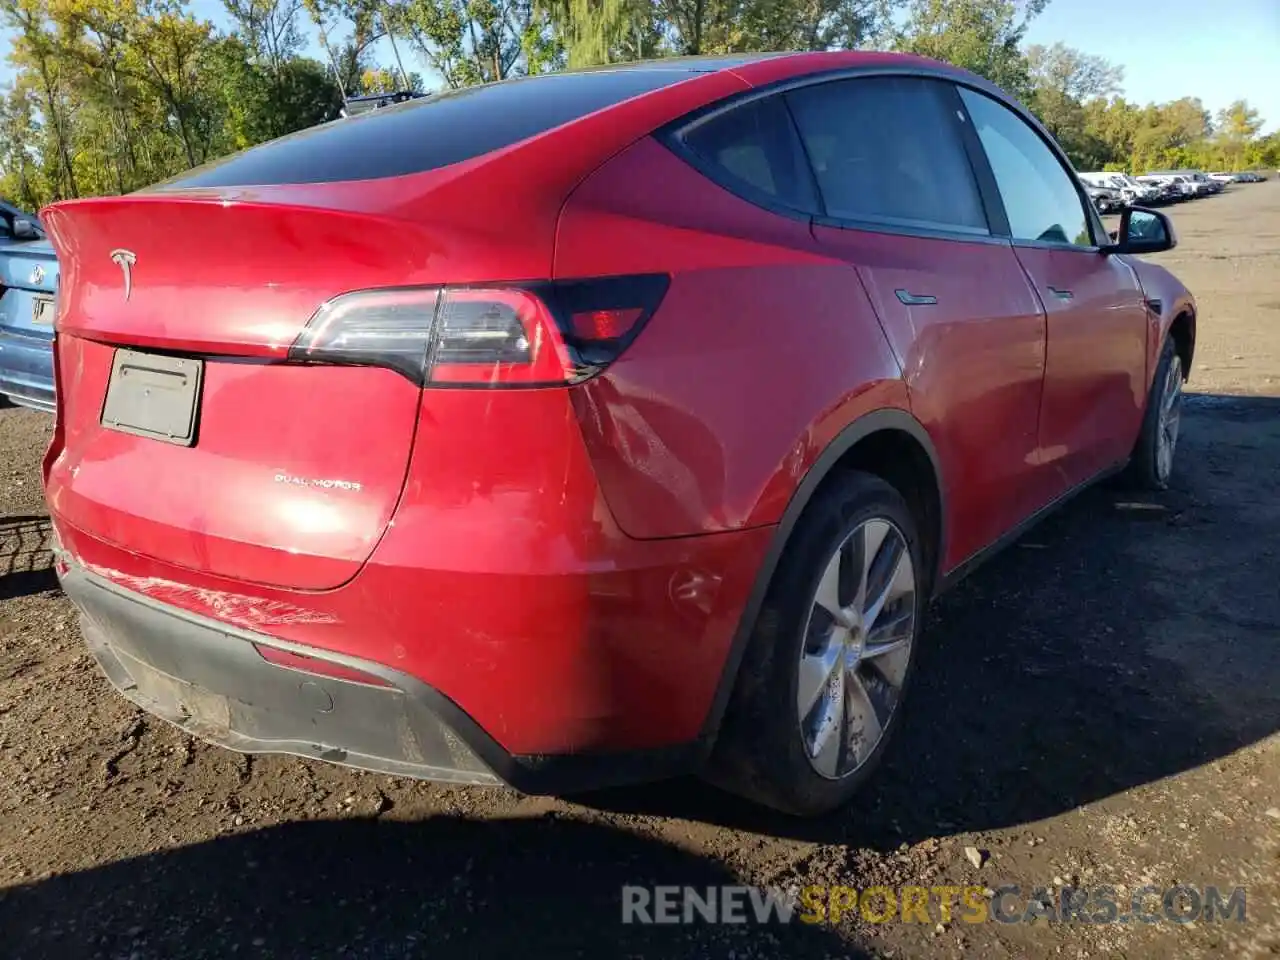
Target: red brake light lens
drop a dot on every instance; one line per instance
(604, 324)
(496, 336)
(530, 335)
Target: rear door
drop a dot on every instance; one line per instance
(1095, 366)
(903, 207)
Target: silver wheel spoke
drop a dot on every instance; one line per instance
(882, 647)
(828, 735)
(888, 649)
(887, 585)
(815, 673)
(891, 666)
(836, 586)
(862, 721)
(873, 537)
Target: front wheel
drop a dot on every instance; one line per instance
(1151, 465)
(821, 685)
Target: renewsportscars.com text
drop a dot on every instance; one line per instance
(939, 904)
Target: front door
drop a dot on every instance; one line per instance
(1095, 361)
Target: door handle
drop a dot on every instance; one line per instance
(1061, 294)
(915, 300)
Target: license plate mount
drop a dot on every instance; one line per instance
(43, 310)
(155, 396)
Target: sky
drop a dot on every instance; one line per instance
(1217, 51)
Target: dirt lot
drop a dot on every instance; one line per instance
(1100, 705)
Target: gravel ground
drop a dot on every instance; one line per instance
(1099, 705)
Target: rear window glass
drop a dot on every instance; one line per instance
(431, 132)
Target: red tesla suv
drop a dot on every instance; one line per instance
(595, 426)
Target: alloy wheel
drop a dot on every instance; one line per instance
(1170, 419)
(857, 648)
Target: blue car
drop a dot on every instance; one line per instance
(28, 287)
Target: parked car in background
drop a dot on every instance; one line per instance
(679, 398)
(28, 288)
(1130, 190)
(354, 106)
(1105, 199)
(1190, 187)
(1211, 185)
(1171, 190)
(1226, 177)
(1140, 193)
(1196, 183)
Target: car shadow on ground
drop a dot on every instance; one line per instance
(1126, 639)
(441, 887)
(26, 563)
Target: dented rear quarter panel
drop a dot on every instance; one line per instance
(763, 350)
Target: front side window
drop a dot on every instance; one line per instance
(887, 150)
(1040, 198)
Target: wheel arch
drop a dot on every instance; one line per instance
(1182, 330)
(870, 443)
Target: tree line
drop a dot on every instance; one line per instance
(109, 96)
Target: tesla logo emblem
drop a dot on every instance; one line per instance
(37, 274)
(125, 259)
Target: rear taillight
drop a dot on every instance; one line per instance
(526, 335)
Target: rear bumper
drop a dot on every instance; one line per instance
(209, 679)
(26, 370)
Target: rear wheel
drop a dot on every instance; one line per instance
(820, 690)
(1151, 465)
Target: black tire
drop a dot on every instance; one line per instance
(1146, 470)
(760, 754)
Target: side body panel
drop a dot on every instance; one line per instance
(763, 350)
(1167, 300)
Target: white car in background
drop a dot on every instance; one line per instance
(1183, 185)
(1131, 191)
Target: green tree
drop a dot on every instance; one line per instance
(1171, 135)
(1238, 125)
(467, 41)
(36, 54)
(1062, 80)
(983, 36)
(610, 31)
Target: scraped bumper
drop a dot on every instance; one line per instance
(212, 681)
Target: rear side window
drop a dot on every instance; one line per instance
(753, 149)
(888, 150)
(430, 132)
